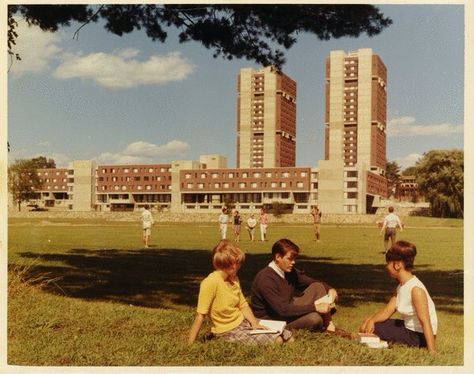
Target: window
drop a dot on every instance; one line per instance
(189, 185)
(203, 175)
(299, 184)
(214, 175)
(135, 170)
(253, 185)
(285, 174)
(187, 175)
(268, 174)
(303, 174)
(256, 175)
(217, 185)
(245, 175)
(126, 170)
(231, 175)
(150, 170)
(201, 185)
(242, 184)
(274, 184)
(283, 184)
(225, 185)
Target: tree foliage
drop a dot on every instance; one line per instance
(392, 173)
(42, 162)
(251, 31)
(23, 180)
(440, 178)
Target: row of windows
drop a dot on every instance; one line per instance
(134, 170)
(54, 180)
(255, 174)
(244, 185)
(53, 173)
(135, 179)
(139, 188)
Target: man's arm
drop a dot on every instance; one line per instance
(271, 292)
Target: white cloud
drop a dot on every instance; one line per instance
(143, 152)
(408, 160)
(122, 70)
(36, 49)
(407, 127)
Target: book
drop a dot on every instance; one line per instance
(367, 338)
(273, 327)
(326, 299)
(380, 344)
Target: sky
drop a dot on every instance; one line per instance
(131, 100)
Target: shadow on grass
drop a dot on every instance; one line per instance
(170, 278)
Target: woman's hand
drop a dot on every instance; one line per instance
(367, 327)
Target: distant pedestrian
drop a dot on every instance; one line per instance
(251, 224)
(147, 222)
(223, 220)
(316, 213)
(389, 228)
(263, 220)
(237, 221)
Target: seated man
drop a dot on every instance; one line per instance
(282, 292)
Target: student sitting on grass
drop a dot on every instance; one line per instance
(221, 298)
(419, 322)
(282, 292)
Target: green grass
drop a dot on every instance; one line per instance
(108, 301)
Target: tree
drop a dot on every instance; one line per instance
(440, 178)
(23, 180)
(251, 31)
(392, 173)
(42, 162)
(411, 170)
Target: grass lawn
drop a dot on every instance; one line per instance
(105, 300)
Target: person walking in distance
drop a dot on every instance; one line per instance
(263, 220)
(223, 220)
(316, 213)
(237, 220)
(389, 228)
(251, 224)
(147, 222)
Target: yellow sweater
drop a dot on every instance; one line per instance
(222, 302)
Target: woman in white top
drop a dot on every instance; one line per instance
(419, 323)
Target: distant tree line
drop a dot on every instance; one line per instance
(440, 178)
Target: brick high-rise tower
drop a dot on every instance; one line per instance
(266, 119)
(355, 140)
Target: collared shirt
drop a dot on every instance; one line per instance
(277, 269)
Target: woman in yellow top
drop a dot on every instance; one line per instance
(221, 299)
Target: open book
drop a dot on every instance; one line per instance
(371, 340)
(273, 327)
(328, 300)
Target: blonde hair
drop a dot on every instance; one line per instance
(225, 254)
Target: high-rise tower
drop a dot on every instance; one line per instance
(355, 140)
(266, 119)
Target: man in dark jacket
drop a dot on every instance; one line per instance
(282, 292)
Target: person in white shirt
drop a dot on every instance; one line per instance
(389, 228)
(251, 224)
(147, 222)
(418, 324)
(223, 220)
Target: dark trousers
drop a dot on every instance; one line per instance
(312, 321)
(394, 330)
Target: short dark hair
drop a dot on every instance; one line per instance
(146, 206)
(283, 246)
(402, 251)
(391, 209)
